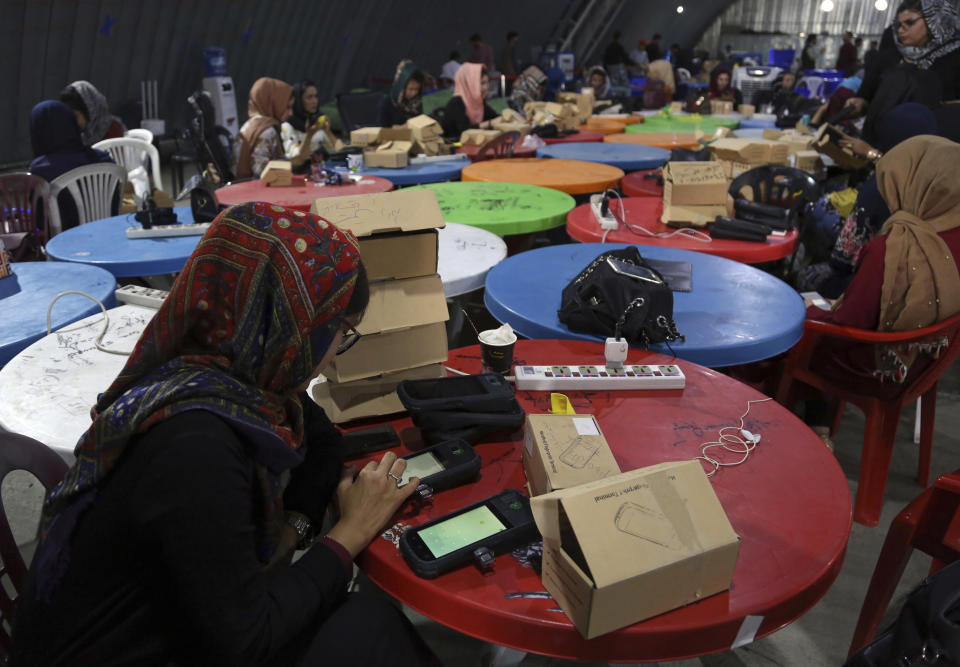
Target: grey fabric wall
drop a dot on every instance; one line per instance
(46, 44)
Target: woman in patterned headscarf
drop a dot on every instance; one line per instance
(154, 546)
(918, 61)
(93, 115)
(406, 96)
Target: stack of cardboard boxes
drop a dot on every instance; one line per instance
(740, 155)
(403, 331)
(478, 137)
(621, 547)
(583, 100)
(694, 193)
(562, 114)
(391, 147)
(801, 153)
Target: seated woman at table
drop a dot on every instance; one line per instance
(528, 88)
(838, 99)
(259, 140)
(93, 115)
(918, 61)
(168, 541)
(909, 276)
(303, 138)
(598, 80)
(406, 96)
(468, 109)
(58, 148)
(721, 89)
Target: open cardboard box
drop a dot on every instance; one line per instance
(370, 397)
(397, 230)
(388, 155)
(827, 142)
(365, 136)
(424, 128)
(694, 184)
(692, 216)
(478, 137)
(277, 173)
(750, 151)
(635, 545)
(560, 451)
(402, 327)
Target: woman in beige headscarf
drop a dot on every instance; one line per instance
(259, 139)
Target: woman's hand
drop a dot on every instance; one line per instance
(857, 102)
(368, 502)
(858, 146)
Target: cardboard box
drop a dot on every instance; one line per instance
(733, 169)
(582, 102)
(694, 184)
(808, 161)
(389, 155)
(424, 127)
(397, 230)
(691, 216)
(632, 546)
(478, 137)
(510, 116)
(560, 451)
(676, 107)
(771, 134)
(391, 352)
(365, 136)
(372, 397)
(720, 106)
(750, 151)
(503, 126)
(277, 173)
(747, 110)
(401, 304)
(844, 157)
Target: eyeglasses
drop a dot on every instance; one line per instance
(349, 339)
(906, 24)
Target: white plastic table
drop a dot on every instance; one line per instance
(47, 390)
(466, 254)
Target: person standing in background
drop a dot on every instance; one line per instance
(639, 55)
(449, 69)
(482, 53)
(508, 61)
(871, 53)
(808, 57)
(847, 57)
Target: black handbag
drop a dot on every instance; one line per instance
(619, 294)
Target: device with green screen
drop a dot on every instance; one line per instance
(443, 466)
(498, 523)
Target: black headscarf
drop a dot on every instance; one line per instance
(300, 119)
(56, 142)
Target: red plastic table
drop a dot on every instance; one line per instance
(300, 194)
(789, 503)
(581, 136)
(472, 151)
(646, 211)
(636, 184)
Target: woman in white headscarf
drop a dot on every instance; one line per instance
(93, 115)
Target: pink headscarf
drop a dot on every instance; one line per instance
(466, 85)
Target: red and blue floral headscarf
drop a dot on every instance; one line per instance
(247, 321)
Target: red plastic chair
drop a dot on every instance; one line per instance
(501, 147)
(24, 212)
(931, 523)
(880, 403)
(18, 452)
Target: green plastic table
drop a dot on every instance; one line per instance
(682, 123)
(502, 208)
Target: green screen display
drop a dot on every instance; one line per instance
(420, 467)
(467, 528)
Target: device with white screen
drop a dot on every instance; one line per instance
(443, 466)
(498, 523)
(634, 271)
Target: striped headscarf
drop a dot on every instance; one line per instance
(943, 24)
(254, 310)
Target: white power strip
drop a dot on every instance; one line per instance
(631, 376)
(186, 229)
(424, 159)
(141, 296)
(605, 221)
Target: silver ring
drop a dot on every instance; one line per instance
(396, 477)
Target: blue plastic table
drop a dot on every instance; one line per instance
(628, 157)
(735, 314)
(749, 133)
(767, 121)
(25, 296)
(416, 174)
(104, 243)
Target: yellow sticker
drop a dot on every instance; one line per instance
(560, 405)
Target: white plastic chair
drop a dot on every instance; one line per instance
(93, 188)
(131, 153)
(141, 134)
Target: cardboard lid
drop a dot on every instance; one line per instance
(421, 121)
(364, 215)
(637, 521)
(400, 304)
(695, 173)
(697, 216)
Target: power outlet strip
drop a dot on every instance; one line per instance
(141, 296)
(605, 221)
(186, 229)
(424, 159)
(630, 376)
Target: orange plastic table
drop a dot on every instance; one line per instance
(643, 183)
(668, 140)
(582, 136)
(570, 176)
(645, 212)
(602, 126)
(300, 194)
(789, 503)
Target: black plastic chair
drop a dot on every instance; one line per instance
(213, 143)
(786, 187)
(18, 452)
(359, 110)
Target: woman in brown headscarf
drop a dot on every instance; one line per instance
(259, 139)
